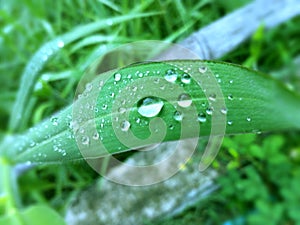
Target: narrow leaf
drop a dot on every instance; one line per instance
(155, 102)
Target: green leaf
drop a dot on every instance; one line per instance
(34, 215)
(42, 56)
(226, 99)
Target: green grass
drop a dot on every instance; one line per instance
(28, 24)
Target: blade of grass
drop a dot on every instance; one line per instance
(31, 72)
(254, 103)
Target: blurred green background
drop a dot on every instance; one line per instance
(260, 172)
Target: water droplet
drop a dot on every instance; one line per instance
(224, 111)
(171, 75)
(88, 87)
(96, 135)
(85, 140)
(104, 106)
(202, 69)
(54, 121)
(138, 120)
(229, 122)
(125, 125)
(150, 106)
(117, 77)
(109, 22)
(60, 44)
(212, 97)
(178, 116)
(230, 97)
(248, 119)
(184, 100)
(122, 110)
(134, 88)
(202, 117)
(209, 111)
(185, 78)
(231, 81)
(171, 127)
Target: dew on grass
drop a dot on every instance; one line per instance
(185, 78)
(125, 125)
(54, 121)
(150, 106)
(178, 116)
(209, 111)
(224, 111)
(85, 140)
(184, 100)
(117, 77)
(202, 117)
(171, 75)
(202, 69)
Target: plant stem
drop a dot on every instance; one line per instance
(8, 190)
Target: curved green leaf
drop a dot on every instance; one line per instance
(107, 118)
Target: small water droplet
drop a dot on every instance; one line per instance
(229, 122)
(138, 120)
(171, 75)
(185, 78)
(60, 44)
(209, 111)
(150, 106)
(171, 127)
(117, 77)
(184, 100)
(134, 88)
(224, 111)
(104, 106)
(54, 121)
(122, 110)
(85, 140)
(212, 97)
(178, 116)
(202, 69)
(96, 135)
(231, 81)
(202, 117)
(230, 97)
(88, 87)
(125, 125)
(248, 119)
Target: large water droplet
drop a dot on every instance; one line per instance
(184, 100)
(150, 106)
(125, 125)
(202, 117)
(171, 75)
(185, 78)
(178, 116)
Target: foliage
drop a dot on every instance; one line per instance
(260, 173)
